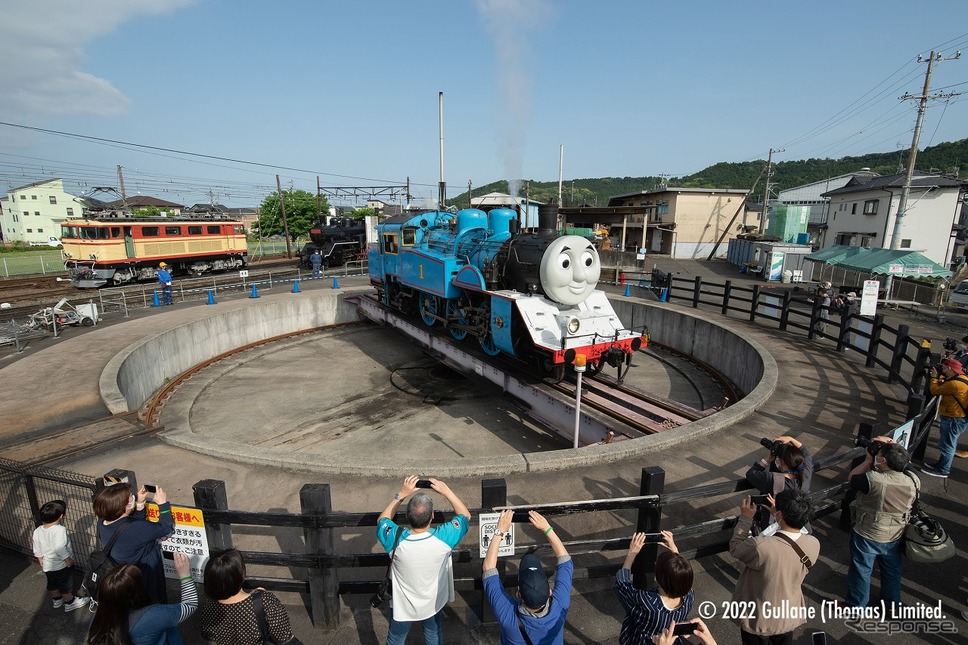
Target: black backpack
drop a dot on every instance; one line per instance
(101, 562)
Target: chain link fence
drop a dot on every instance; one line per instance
(24, 264)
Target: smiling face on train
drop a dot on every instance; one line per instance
(570, 269)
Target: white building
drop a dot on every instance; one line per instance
(864, 211)
(34, 213)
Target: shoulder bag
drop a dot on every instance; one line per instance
(385, 590)
(925, 540)
(804, 559)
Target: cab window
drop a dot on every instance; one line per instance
(149, 231)
(194, 230)
(390, 243)
(214, 230)
(173, 230)
(409, 236)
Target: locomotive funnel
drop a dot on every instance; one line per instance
(548, 218)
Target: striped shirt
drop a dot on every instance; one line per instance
(645, 615)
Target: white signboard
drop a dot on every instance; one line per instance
(189, 537)
(895, 269)
(244, 273)
(488, 524)
(868, 299)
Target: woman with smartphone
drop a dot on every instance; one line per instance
(125, 614)
(123, 514)
(648, 612)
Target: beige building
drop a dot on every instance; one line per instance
(682, 222)
(34, 212)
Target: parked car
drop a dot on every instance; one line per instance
(51, 241)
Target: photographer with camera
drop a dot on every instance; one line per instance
(423, 580)
(788, 464)
(951, 384)
(880, 510)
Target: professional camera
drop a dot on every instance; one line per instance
(873, 447)
(770, 444)
(950, 344)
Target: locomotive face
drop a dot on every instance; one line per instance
(570, 269)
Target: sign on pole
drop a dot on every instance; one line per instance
(868, 299)
(188, 537)
(488, 524)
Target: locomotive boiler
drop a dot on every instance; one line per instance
(531, 296)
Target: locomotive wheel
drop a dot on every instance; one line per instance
(595, 367)
(456, 314)
(485, 338)
(552, 372)
(428, 309)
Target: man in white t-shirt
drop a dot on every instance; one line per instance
(423, 581)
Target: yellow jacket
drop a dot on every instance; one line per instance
(953, 392)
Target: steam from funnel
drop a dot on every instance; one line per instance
(508, 22)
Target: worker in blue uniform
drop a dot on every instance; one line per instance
(164, 279)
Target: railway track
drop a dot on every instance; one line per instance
(645, 411)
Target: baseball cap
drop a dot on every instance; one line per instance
(532, 582)
(954, 365)
(162, 265)
(851, 295)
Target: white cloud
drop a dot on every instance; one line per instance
(42, 46)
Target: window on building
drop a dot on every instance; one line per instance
(37, 213)
(149, 231)
(663, 208)
(23, 197)
(870, 207)
(40, 230)
(70, 212)
(905, 244)
(853, 208)
(30, 230)
(53, 199)
(33, 196)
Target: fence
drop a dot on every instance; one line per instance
(44, 263)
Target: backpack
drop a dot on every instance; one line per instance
(100, 564)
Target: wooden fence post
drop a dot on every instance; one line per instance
(210, 494)
(814, 318)
(867, 430)
(727, 292)
(785, 311)
(696, 291)
(314, 499)
(653, 483)
(755, 302)
(494, 494)
(900, 349)
(916, 403)
(845, 320)
(875, 340)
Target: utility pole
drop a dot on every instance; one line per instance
(470, 204)
(913, 154)
(561, 166)
(285, 225)
(124, 197)
(766, 191)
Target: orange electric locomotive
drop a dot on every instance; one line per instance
(120, 250)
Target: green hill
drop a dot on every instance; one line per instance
(945, 158)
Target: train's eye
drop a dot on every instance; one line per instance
(564, 261)
(587, 259)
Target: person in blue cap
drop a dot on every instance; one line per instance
(537, 614)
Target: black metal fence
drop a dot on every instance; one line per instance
(25, 489)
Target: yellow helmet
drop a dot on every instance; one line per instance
(162, 265)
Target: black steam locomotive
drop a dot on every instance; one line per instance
(339, 242)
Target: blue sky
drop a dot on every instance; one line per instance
(348, 90)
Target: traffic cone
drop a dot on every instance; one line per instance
(628, 290)
(295, 286)
(255, 293)
(155, 302)
(335, 283)
(665, 295)
(211, 298)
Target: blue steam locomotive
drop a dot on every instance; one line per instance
(527, 295)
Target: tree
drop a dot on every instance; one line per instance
(360, 213)
(148, 211)
(302, 210)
